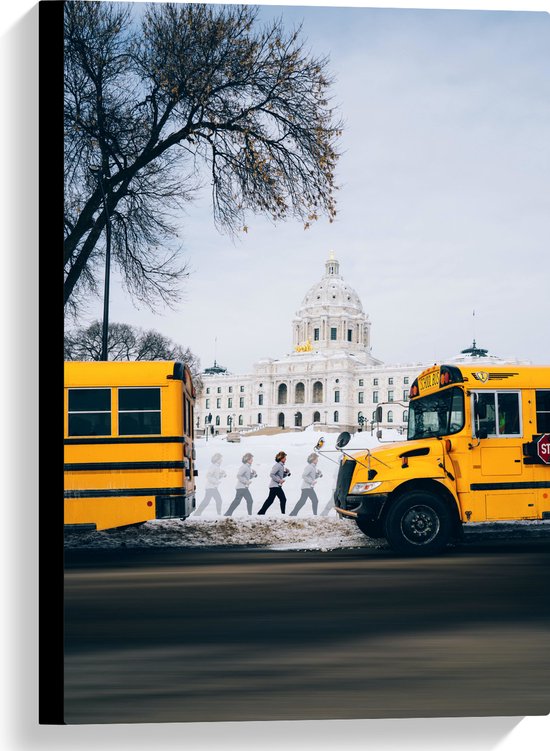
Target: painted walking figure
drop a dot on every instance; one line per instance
(310, 476)
(213, 478)
(245, 475)
(278, 474)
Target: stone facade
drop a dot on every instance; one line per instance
(330, 379)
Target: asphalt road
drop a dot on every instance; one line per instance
(244, 635)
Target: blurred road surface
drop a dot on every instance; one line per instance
(249, 634)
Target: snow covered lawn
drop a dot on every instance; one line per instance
(274, 530)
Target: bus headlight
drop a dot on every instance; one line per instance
(364, 487)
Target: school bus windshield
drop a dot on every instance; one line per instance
(437, 414)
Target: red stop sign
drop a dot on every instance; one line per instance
(543, 448)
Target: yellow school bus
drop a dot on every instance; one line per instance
(477, 450)
(129, 452)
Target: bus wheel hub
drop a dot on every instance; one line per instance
(420, 524)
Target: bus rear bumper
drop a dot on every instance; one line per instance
(173, 507)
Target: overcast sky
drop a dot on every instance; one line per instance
(443, 208)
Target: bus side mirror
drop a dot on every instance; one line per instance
(343, 439)
(481, 411)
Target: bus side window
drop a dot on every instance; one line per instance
(485, 413)
(508, 414)
(89, 412)
(139, 411)
(543, 410)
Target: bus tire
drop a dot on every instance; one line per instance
(419, 523)
(371, 528)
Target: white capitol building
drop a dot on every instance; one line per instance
(330, 379)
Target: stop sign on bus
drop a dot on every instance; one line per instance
(543, 448)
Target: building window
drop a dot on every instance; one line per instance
(260, 399)
(333, 333)
(259, 418)
(241, 389)
(207, 404)
(241, 401)
(405, 395)
(336, 417)
(361, 397)
(229, 419)
(360, 381)
(229, 403)
(230, 389)
(317, 391)
(240, 419)
(390, 396)
(406, 380)
(350, 335)
(282, 394)
(375, 397)
(336, 396)
(375, 382)
(390, 416)
(315, 335)
(390, 381)
(316, 417)
(406, 416)
(208, 389)
(300, 393)
(217, 419)
(219, 389)
(218, 403)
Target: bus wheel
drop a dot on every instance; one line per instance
(419, 523)
(369, 527)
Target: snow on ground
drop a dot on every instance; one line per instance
(274, 530)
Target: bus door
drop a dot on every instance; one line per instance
(497, 467)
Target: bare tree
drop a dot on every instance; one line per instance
(126, 342)
(150, 109)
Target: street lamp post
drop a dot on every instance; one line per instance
(105, 330)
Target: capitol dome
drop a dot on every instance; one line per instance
(331, 316)
(330, 292)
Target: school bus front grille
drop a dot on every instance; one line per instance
(343, 483)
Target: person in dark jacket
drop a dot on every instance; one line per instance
(277, 477)
(309, 478)
(245, 475)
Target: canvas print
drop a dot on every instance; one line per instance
(306, 363)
